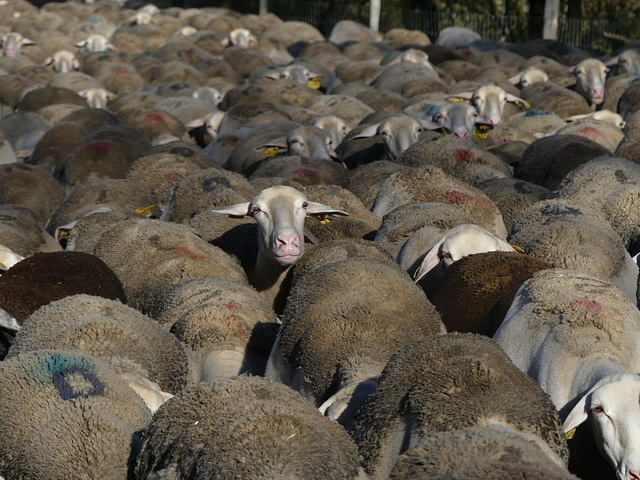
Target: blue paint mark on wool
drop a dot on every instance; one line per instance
(58, 368)
(536, 113)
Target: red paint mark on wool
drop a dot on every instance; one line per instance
(458, 197)
(589, 132)
(172, 177)
(462, 155)
(306, 173)
(122, 72)
(190, 253)
(97, 147)
(587, 304)
(231, 306)
(504, 140)
(153, 117)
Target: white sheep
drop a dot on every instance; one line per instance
(280, 212)
(529, 76)
(63, 61)
(12, 43)
(490, 100)
(459, 118)
(577, 336)
(590, 79)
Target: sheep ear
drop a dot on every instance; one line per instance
(518, 101)
(515, 79)
(578, 414)
(75, 64)
(272, 76)
(149, 391)
(573, 118)
(430, 261)
(48, 61)
(80, 44)
(27, 41)
(367, 132)
(570, 69)
(197, 122)
(427, 124)
(8, 322)
(237, 210)
(613, 61)
(343, 405)
(112, 47)
(274, 147)
(322, 212)
(225, 42)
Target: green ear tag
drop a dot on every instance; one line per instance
(314, 83)
(569, 435)
(480, 131)
(271, 151)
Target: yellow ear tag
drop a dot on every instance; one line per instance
(523, 103)
(415, 274)
(458, 99)
(314, 83)
(3, 266)
(480, 131)
(145, 210)
(569, 435)
(517, 249)
(323, 218)
(271, 151)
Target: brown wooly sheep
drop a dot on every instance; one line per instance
(163, 253)
(476, 291)
(202, 190)
(365, 181)
(483, 452)
(32, 187)
(112, 331)
(306, 171)
(340, 369)
(457, 156)
(447, 382)
(108, 194)
(205, 429)
(548, 160)
(408, 186)
(70, 415)
(227, 325)
(21, 232)
(554, 98)
(43, 97)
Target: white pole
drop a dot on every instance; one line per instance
(551, 11)
(263, 7)
(374, 15)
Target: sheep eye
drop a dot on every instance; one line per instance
(255, 210)
(384, 134)
(446, 256)
(305, 204)
(599, 410)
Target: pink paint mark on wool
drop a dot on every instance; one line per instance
(458, 197)
(97, 147)
(588, 304)
(462, 155)
(231, 306)
(306, 173)
(504, 140)
(153, 117)
(122, 72)
(191, 254)
(589, 132)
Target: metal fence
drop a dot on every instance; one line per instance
(595, 36)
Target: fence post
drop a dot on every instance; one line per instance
(374, 15)
(551, 10)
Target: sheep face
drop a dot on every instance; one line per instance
(298, 74)
(398, 132)
(590, 78)
(489, 101)
(12, 44)
(614, 410)
(335, 126)
(459, 118)
(240, 37)
(96, 43)
(280, 212)
(628, 62)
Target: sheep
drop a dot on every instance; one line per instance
(456, 37)
(167, 253)
(96, 43)
(475, 292)
(227, 326)
(603, 116)
(590, 75)
(67, 415)
(490, 100)
(23, 130)
(627, 62)
(307, 141)
(97, 97)
(548, 160)
(550, 97)
(567, 235)
(460, 118)
(460, 241)
(407, 186)
(21, 232)
(445, 382)
(304, 171)
(12, 43)
(350, 109)
(279, 212)
(616, 180)
(605, 133)
(63, 61)
(482, 452)
(204, 430)
(99, 326)
(334, 125)
(529, 76)
(575, 334)
(336, 371)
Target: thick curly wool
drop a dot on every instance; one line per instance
(359, 297)
(305, 171)
(122, 195)
(163, 253)
(536, 121)
(198, 192)
(551, 97)
(460, 157)
(603, 133)
(66, 415)
(475, 292)
(428, 183)
(106, 329)
(87, 230)
(549, 159)
(487, 452)
(246, 427)
(349, 108)
(365, 181)
(617, 182)
(513, 196)
(21, 232)
(360, 222)
(447, 382)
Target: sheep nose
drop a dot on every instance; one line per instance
(494, 120)
(461, 133)
(288, 244)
